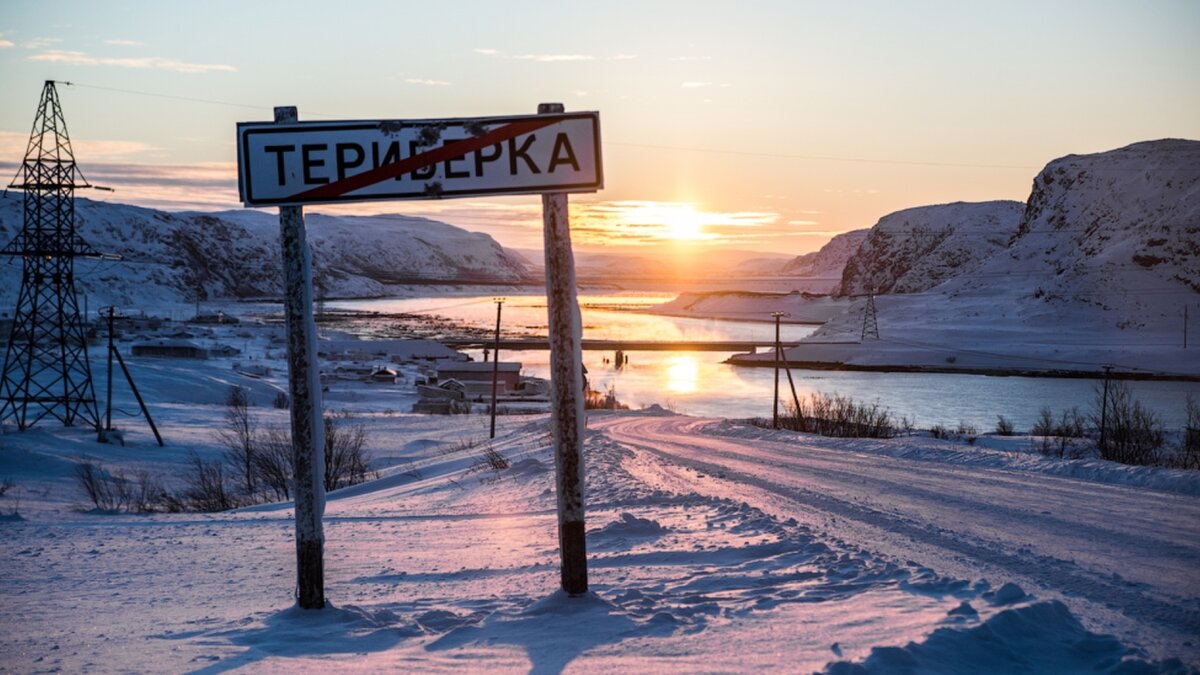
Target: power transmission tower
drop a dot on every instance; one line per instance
(46, 370)
(870, 327)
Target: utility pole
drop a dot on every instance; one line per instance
(778, 358)
(496, 363)
(108, 405)
(1104, 408)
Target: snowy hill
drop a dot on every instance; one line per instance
(828, 262)
(916, 249)
(1097, 270)
(172, 257)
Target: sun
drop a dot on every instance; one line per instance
(684, 224)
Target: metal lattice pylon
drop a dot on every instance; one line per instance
(46, 370)
(870, 327)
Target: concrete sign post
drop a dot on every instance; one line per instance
(308, 429)
(290, 163)
(566, 381)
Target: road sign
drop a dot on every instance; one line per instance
(323, 162)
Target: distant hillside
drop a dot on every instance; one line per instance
(175, 257)
(828, 262)
(913, 250)
(1096, 268)
(1117, 230)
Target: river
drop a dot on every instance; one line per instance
(699, 383)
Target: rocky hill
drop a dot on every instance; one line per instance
(1098, 269)
(1115, 230)
(828, 262)
(913, 250)
(181, 257)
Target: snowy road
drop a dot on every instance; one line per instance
(1126, 557)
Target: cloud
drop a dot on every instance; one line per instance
(695, 85)
(640, 222)
(40, 42)
(73, 58)
(13, 145)
(690, 58)
(428, 83)
(6, 44)
(551, 58)
(117, 42)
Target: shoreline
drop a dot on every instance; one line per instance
(970, 370)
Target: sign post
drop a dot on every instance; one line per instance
(308, 429)
(566, 381)
(289, 164)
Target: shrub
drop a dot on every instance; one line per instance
(345, 457)
(273, 462)
(138, 492)
(1129, 433)
(838, 416)
(1004, 426)
(1189, 446)
(238, 438)
(281, 401)
(206, 486)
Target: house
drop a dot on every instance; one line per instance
(475, 374)
(224, 350)
(170, 348)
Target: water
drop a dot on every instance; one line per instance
(698, 383)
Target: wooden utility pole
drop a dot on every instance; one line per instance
(308, 431)
(566, 379)
(778, 358)
(111, 348)
(495, 364)
(1104, 409)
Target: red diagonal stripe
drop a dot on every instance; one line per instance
(416, 162)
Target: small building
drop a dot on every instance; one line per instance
(170, 348)
(219, 318)
(224, 350)
(473, 373)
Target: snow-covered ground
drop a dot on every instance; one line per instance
(713, 546)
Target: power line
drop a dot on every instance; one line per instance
(720, 151)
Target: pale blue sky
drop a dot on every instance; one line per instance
(753, 106)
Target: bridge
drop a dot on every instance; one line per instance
(533, 344)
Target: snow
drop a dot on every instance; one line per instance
(713, 546)
(171, 257)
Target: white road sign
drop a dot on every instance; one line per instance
(323, 162)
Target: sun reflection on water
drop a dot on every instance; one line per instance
(682, 374)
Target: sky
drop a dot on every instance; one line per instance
(764, 126)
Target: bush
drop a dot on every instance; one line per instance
(138, 492)
(1188, 456)
(1004, 426)
(273, 463)
(206, 486)
(837, 416)
(345, 459)
(238, 438)
(281, 401)
(1129, 433)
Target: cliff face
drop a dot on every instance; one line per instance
(181, 257)
(914, 250)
